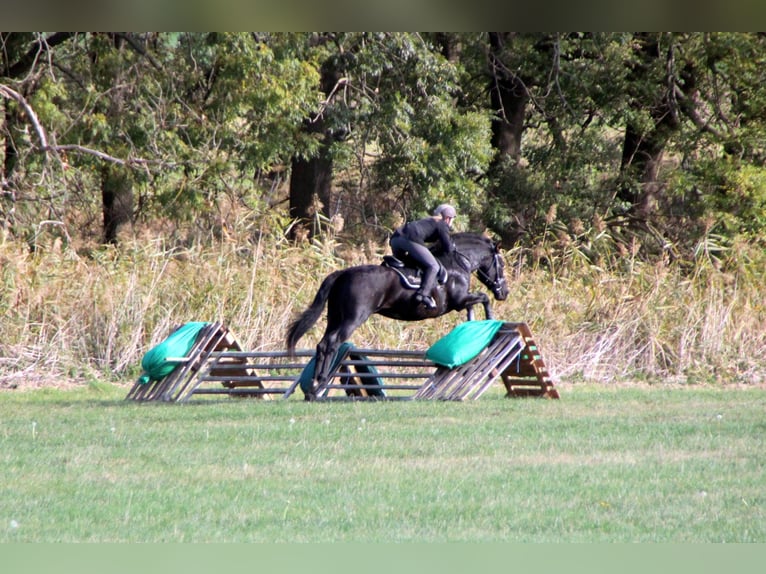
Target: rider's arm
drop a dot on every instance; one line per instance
(445, 238)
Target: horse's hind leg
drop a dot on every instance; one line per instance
(326, 350)
(337, 332)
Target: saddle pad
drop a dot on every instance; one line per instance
(463, 343)
(411, 276)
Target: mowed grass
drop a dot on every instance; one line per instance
(627, 464)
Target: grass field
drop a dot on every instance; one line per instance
(605, 463)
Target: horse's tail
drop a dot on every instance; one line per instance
(306, 320)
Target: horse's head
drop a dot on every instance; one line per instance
(476, 252)
(491, 272)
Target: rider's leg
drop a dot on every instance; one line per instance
(399, 247)
(430, 268)
(426, 287)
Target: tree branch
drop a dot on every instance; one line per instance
(25, 63)
(97, 153)
(9, 93)
(137, 48)
(323, 105)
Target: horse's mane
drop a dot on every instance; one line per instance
(466, 237)
(464, 242)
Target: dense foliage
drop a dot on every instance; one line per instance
(153, 179)
(648, 139)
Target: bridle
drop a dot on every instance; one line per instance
(498, 284)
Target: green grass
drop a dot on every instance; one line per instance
(659, 463)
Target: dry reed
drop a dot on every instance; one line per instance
(74, 317)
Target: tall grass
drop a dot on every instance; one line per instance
(698, 321)
(71, 316)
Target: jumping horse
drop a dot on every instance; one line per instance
(355, 293)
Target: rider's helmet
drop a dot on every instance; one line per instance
(445, 210)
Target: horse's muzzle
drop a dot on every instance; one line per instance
(500, 290)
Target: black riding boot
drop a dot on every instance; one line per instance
(426, 286)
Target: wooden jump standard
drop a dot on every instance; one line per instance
(216, 365)
(213, 338)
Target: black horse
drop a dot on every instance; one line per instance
(355, 293)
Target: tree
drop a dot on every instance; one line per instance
(652, 118)
(181, 118)
(311, 173)
(238, 101)
(390, 130)
(21, 53)
(508, 98)
(20, 74)
(656, 133)
(683, 101)
(44, 98)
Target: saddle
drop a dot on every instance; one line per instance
(410, 274)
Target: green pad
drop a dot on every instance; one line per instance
(371, 370)
(463, 343)
(155, 362)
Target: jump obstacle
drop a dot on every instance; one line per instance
(216, 365)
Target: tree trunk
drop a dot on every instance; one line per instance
(642, 152)
(639, 171)
(117, 200)
(10, 155)
(310, 184)
(508, 97)
(7, 190)
(311, 178)
(449, 45)
(116, 180)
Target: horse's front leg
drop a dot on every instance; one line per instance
(472, 299)
(487, 308)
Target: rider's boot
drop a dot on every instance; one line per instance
(426, 286)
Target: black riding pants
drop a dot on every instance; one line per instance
(401, 246)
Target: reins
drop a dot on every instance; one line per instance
(499, 279)
(467, 265)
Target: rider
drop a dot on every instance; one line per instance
(412, 238)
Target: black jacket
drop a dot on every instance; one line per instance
(428, 230)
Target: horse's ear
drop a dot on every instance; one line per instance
(497, 246)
